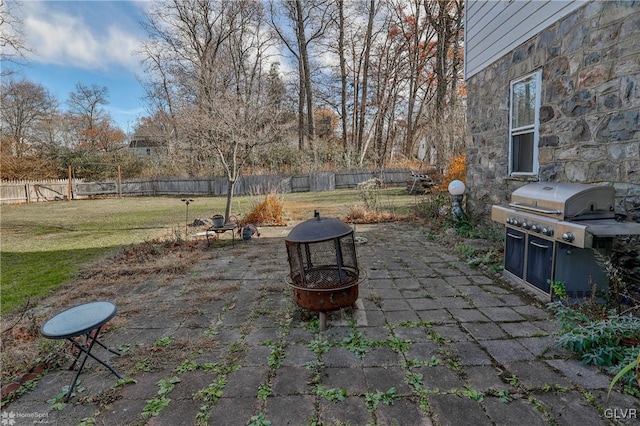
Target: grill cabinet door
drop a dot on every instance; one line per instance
(579, 269)
(514, 252)
(539, 263)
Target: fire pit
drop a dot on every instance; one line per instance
(323, 265)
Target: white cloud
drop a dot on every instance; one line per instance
(61, 38)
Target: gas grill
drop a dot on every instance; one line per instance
(557, 231)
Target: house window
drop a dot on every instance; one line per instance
(523, 125)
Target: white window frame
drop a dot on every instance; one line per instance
(534, 127)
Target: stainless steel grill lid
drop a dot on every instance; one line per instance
(567, 201)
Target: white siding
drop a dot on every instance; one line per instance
(494, 28)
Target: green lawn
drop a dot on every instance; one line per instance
(44, 244)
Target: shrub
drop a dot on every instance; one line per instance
(370, 193)
(457, 169)
(611, 342)
(433, 205)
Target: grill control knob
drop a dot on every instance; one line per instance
(547, 231)
(536, 228)
(568, 236)
(516, 222)
(509, 220)
(526, 225)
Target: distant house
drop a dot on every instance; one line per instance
(553, 95)
(146, 147)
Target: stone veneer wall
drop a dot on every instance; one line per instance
(590, 108)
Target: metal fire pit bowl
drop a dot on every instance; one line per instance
(323, 265)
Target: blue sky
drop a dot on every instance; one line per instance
(89, 42)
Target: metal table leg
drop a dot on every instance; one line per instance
(87, 354)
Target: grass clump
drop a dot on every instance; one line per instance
(269, 211)
(362, 215)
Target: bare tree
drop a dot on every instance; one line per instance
(309, 20)
(161, 105)
(387, 76)
(87, 104)
(350, 38)
(389, 70)
(181, 58)
(343, 72)
(445, 16)
(365, 74)
(26, 111)
(12, 45)
(417, 37)
(91, 121)
(214, 63)
(24, 107)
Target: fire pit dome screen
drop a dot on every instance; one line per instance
(323, 264)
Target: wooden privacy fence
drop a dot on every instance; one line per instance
(31, 191)
(14, 192)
